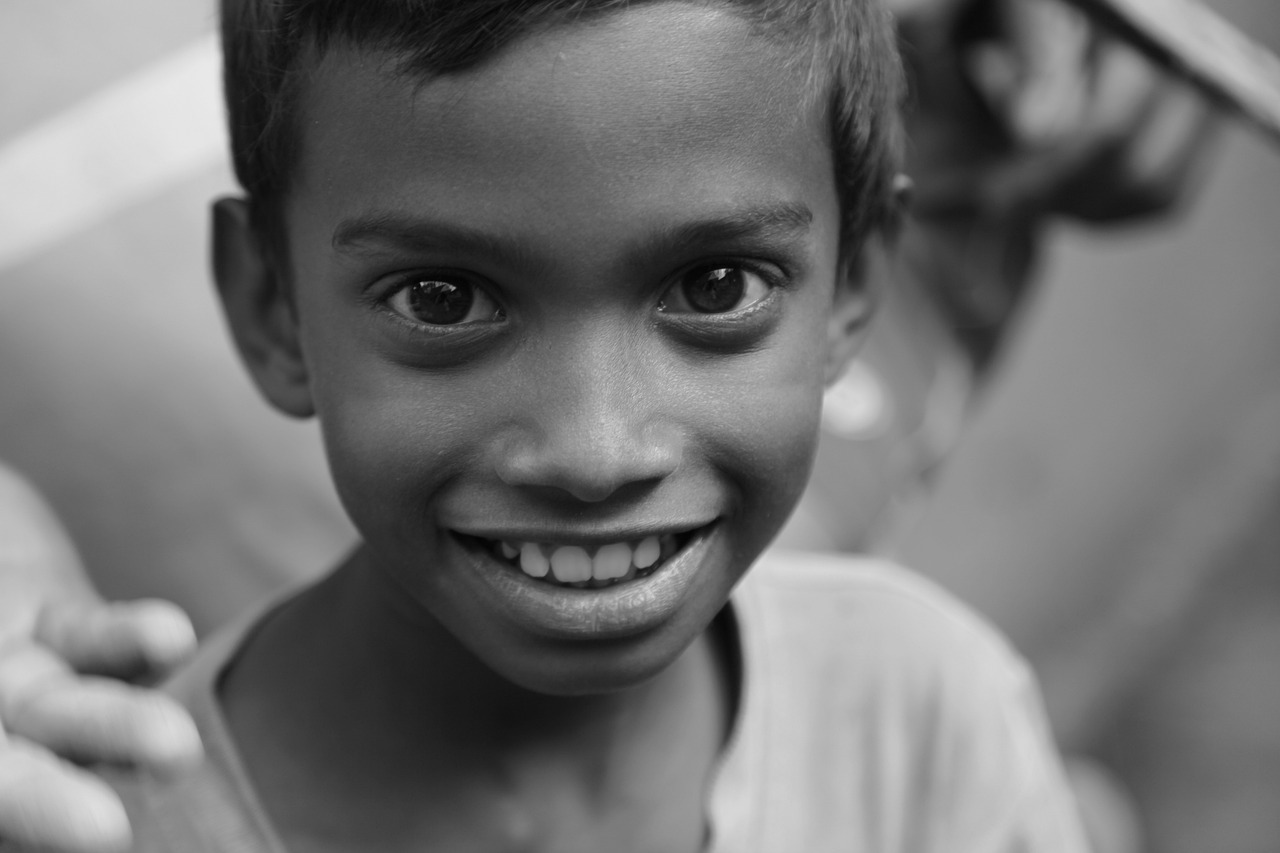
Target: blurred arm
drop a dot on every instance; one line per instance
(1025, 113)
(37, 560)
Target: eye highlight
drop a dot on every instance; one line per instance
(715, 290)
(444, 301)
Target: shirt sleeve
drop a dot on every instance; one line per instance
(994, 781)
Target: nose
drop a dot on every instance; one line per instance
(594, 424)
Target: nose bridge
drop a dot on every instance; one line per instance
(596, 375)
(595, 420)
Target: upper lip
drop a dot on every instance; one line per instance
(579, 536)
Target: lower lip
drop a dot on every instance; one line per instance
(610, 612)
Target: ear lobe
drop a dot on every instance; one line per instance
(259, 310)
(904, 190)
(855, 304)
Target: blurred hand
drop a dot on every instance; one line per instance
(1023, 108)
(61, 701)
(65, 657)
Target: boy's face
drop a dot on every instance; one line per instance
(582, 296)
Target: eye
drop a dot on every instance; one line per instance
(715, 290)
(444, 302)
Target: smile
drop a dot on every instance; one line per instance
(586, 566)
(549, 585)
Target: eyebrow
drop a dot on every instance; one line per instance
(770, 221)
(402, 230)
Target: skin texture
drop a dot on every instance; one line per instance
(580, 180)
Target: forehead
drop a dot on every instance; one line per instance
(657, 111)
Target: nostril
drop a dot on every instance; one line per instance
(588, 467)
(590, 482)
(588, 490)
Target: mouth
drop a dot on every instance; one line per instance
(584, 566)
(592, 589)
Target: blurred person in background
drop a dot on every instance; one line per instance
(1112, 455)
(1023, 113)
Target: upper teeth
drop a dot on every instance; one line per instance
(572, 563)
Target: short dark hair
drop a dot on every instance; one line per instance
(270, 45)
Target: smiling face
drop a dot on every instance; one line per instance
(566, 315)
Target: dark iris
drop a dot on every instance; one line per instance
(441, 302)
(715, 291)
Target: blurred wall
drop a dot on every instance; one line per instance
(119, 393)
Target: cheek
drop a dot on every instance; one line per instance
(380, 421)
(769, 417)
(779, 442)
(377, 463)
(392, 438)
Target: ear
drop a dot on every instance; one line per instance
(860, 283)
(259, 310)
(855, 303)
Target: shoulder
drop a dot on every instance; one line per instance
(939, 715)
(877, 615)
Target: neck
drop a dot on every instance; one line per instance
(352, 675)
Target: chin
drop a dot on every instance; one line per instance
(592, 668)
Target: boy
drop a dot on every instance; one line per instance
(563, 281)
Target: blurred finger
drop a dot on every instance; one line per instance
(1151, 139)
(93, 719)
(49, 804)
(123, 639)
(1169, 154)
(1053, 45)
(1125, 86)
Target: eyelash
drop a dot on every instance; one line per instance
(773, 276)
(384, 298)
